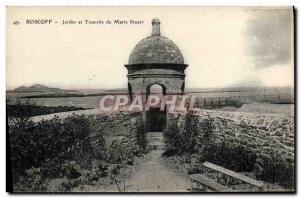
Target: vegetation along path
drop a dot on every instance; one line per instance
(150, 173)
(155, 174)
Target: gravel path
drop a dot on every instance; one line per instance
(150, 173)
(155, 174)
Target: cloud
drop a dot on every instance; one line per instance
(269, 37)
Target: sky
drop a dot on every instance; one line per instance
(223, 46)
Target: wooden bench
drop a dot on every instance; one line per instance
(235, 175)
(202, 180)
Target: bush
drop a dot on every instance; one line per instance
(100, 167)
(48, 143)
(232, 156)
(32, 181)
(70, 169)
(190, 138)
(141, 137)
(117, 153)
(172, 139)
(274, 169)
(68, 152)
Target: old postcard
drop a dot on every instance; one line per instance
(150, 99)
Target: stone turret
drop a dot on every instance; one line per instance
(156, 60)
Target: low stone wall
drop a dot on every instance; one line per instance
(262, 143)
(279, 128)
(119, 126)
(261, 120)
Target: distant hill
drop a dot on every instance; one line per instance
(38, 88)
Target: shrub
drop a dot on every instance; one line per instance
(31, 181)
(48, 143)
(70, 169)
(232, 156)
(190, 138)
(141, 137)
(66, 149)
(117, 154)
(172, 139)
(100, 167)
(275, 169)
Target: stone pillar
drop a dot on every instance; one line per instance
(155, 27)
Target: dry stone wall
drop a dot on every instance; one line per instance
(261, 120)
(119, 127)
(261, 143)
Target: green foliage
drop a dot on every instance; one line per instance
(48, 143)
(274, 169)
(71, 169)
(190, 138)
(119, 153)
(31, 181)
(172, 138)
(69, 152)
(141, 137)
(72, 175)
(232, 156)
(100, 168)
(120, 157)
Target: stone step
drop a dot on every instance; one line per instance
(155, 140)
(156, 147)
(155, 134)
(156, 143)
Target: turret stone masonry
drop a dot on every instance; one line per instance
(156, 60)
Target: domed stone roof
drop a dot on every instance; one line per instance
(156, 49)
